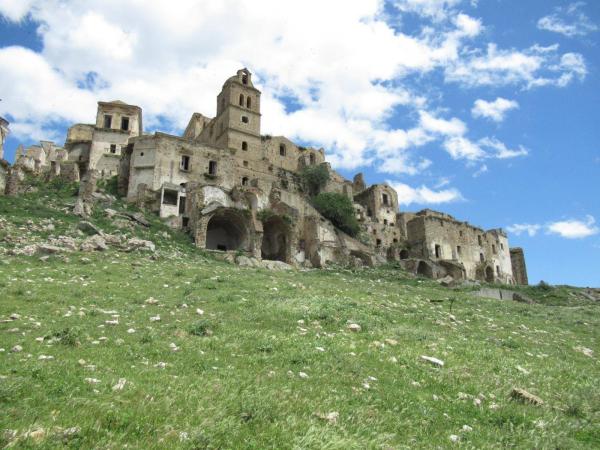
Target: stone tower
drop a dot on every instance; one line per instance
(3, 133)
(517, 259)
(237, 124)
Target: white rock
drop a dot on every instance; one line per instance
(45, 357)
(15, 316)
(160, 365)
(432, 360)
(155, 319)
(120, 385)
(16, 349)
(320, 349)
(111, 322)
(354, 327)
(467, 428)
(199, 312)
(92, 380)
(302, 375)
(131, 331)
(454, 438)
(151, 301)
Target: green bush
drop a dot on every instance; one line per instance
(314, 178)
(337, 208)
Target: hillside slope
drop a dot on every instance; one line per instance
(172, 349)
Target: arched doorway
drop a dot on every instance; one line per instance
(424, 270)
(404, 254)
(226, 230)
(489, 274)
(276, 240)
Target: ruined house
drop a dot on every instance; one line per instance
(4, 167)
(240, 192)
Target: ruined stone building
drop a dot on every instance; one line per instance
(238, 191)
(3, 134)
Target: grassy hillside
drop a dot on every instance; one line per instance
(175, 350)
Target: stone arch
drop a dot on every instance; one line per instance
(276, 240)
(403, 254)
(227, 229)
(424, 270)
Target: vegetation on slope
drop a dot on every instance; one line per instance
(171, 350)
(339, 210)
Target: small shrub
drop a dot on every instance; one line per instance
(543, 286)
(338, 208)
(67, 336)
(314, 178)
(200, 328)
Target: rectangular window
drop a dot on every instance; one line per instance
(378, 242)
(113, 148)
(498, 270)
(244, 145)
(185, 163)
(124, 123)
(107, 121)
(479, 240)
(245, 119)
(493, 249)
(181, 205)
(438, 251)
(502, 246)
(385, 199)
(458, 249)
(481, 258)
(170, 197)
(212, 167)
(245, 163)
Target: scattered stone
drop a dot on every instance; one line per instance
(45, 357)
(151, 301)
(392, 342)
(331, 417)
(526, 397)
(92, 380)
(155, 318)
(454, 438)
(120, 385)
(354, 327)
(93, 243)
(432, 360)
(88, 228)
(199, 312)
(15, 316)
(447, 281)
(303, 375)
(586, 351)
(139, 244)
(16, 349)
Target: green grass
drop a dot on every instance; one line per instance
(234, 380)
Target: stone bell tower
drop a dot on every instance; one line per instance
(237, 124)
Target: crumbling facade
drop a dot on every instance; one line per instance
(517, 258)
(238, 191)
(3, 134)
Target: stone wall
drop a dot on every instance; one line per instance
(517, 257)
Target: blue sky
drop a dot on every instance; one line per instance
(487, 110)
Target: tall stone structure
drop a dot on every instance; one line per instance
(3, 134)
(236, 190)
(517, 258)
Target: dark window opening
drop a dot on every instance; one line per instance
(438, 251)
(385, 200)
(375, 232)
(142, 154)
(385, 221)
(284, 184)
(481, 258)
(479, 239)
(245, 119)
(212, 167)
(245, 163)
(241, 99)
(245, 181)
(248, 102)
(378, 242)
(185, 221)
(222, 247)
(107, 121)
(245, 78)
(244, 145)
(395, 241)
(124, 123)
(312, 159)
(502, 246)
(185, 162)
(369, 212)
(404, 254)
(181, 205)
(113, 148)
(460, 233)
(493, 249)
(281, 150)
(498, 270)
(458, 250)
(170, 197)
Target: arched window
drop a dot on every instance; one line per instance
(244, 145)
(244, 78)
(248, 102)
(241, 99)
(281, 149)
(312, 159)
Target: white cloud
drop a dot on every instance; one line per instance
(452, 127)
(15, 10)
(520, 228)
(569, 21)
(574, 229)
(533, 67)
(500, 149)
(435, 9)
(423, 195)
(495, 110)
(462, 148)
